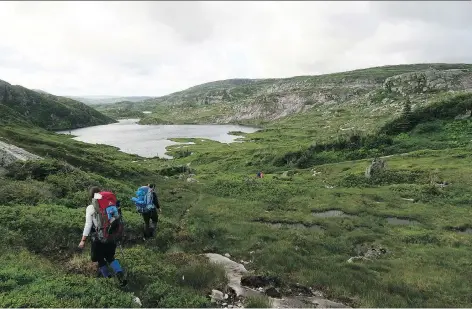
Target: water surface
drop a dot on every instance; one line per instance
(332, 213)
(151, 140)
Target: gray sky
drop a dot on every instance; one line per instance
(154, 48)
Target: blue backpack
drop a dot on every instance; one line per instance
(143, 200)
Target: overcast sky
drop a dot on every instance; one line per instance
(154, 48)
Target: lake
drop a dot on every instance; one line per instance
(151, 140)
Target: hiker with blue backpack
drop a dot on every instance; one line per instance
(147, 204)
(104, 221)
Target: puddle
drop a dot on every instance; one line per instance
(298, 226)
(332, 213)
(465, 231)
(401, 221)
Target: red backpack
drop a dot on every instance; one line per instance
(110, 223)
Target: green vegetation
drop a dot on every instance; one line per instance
(257, 302)
(258, 102)
(19, 105)
(418, 208)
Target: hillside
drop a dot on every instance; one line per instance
(327, 221)
(21, 105)
(266, 100)
(94, 100)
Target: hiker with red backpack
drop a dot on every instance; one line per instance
(104, 216)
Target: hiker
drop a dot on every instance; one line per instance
(102, 251)
(260, 175)
(152, 215)
(147, 204)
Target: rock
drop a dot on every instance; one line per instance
(191, 180)
(318, 294)
(137, 302)
(234, 271)
(425, 81)
(259, 281)
(225, 304)
(237, 292)
(288, 173)
(466, 115)
(227, 255)
(368, 253)
(442, 184)
(375, 168)
(216, 295)
(10, 154)
(300, 289)
(273, 292)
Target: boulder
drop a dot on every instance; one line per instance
(375, 168)
(217, 296)
(10, 154)
(273, 292)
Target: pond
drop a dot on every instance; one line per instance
(151, 140)
(332, 213)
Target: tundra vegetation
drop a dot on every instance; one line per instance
(389, 232)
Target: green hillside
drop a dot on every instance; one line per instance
(19, 104)
(316, 224)
(263, 101)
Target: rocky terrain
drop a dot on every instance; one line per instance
(234, 101)
(243, 285)
(11, 153)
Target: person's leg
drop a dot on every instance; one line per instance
(146, 218)
(98, 255)
(114, 263)
(154, 219)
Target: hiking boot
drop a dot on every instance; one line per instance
(121, 279)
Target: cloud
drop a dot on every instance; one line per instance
(154, 48)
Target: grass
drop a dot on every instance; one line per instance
(257, 302)
(269, 222)
(426, 262)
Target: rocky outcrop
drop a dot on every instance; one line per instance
(368, 253)
(235, 272)
(375, 168)
(429, 81)
(10, 153)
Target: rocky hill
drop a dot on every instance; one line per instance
(21, 105)
(94, 100)
(245, 100)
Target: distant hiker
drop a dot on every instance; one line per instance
(103, 215)
(260, 175)
(147, 204)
